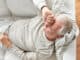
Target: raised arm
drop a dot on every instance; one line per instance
(42, 6)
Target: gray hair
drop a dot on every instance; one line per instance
(67, 24)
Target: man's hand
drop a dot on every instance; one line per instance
(46, 12)
(5, 40)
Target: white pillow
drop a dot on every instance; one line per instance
(3, 9)
(22, 7)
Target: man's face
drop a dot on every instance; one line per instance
(59, 27)
(54, 31)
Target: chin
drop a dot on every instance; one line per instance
(51, 38)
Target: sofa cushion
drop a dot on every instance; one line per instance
(3, 9)
(22, 7)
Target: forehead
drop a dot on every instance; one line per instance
(62, 31)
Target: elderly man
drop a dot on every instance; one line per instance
(35, 38)
(41, 42)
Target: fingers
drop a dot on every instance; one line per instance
(50, 20)
(46, 13)
(5, 41)
(47, 16)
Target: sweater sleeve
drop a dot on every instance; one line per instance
(43, 53)
(39, 3)
(21, 54)
(4, 25)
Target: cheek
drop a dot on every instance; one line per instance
(57, 26)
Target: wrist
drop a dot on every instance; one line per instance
(44, 8)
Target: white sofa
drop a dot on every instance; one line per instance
(5, 13)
